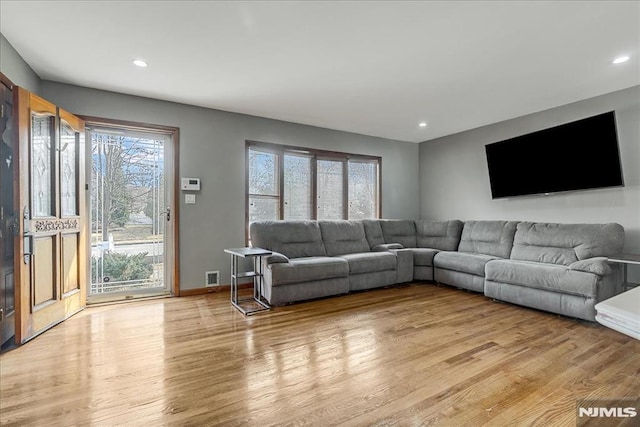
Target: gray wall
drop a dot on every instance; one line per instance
(13, 66)
(212, 147)
(454, 181)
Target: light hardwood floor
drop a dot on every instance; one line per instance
(416, 355)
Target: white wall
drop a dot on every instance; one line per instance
(212, 145)
(454, 181)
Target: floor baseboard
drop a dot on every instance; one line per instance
(212, 289)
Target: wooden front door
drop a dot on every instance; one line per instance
(51, 247)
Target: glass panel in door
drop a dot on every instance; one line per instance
(68, 169)
(128, 215)
(42, 146)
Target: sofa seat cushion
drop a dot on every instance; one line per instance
(308, 269)
(463, 262)
(369, 262)
(423, 256)
(548, 277)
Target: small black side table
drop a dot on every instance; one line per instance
(257, 304)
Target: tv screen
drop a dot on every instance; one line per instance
(575, 156)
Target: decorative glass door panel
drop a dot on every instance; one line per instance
(42, 163)
(68, 169)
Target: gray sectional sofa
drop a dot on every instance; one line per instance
(560, 268)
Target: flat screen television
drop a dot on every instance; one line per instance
(575, 156)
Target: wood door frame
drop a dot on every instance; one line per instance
(20, 270)
(74, 122)
(174, 133)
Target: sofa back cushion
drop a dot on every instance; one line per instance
(564, 244)
(295, 239)
(373, 232)
(401, 231)
(443, 235)
(488, 237)
(343, 237)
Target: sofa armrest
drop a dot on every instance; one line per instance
(276, 258)
(404, 259)
(386, 246)
(596, 265)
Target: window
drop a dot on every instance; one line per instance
(364, 190)
(264, 188)
(330, 189)
(298, 183)
(298, 192)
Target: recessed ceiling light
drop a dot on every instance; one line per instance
(140, 63)
(621, 59)
(422, 124)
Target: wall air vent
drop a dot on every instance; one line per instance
(212, 278)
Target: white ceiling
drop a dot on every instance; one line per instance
(376, 68)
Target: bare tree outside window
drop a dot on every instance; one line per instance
(126, 177)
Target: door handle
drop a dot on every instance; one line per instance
(167, 213)
(27, 245)
(27, 237)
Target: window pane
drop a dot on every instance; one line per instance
(42, 170)
(363, 190)
(263, 173)
(68, 169)
(297, 187)
(330, 193)
(263, 208)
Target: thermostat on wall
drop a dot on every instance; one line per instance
(190, 184)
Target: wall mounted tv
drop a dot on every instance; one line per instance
(575, 156)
